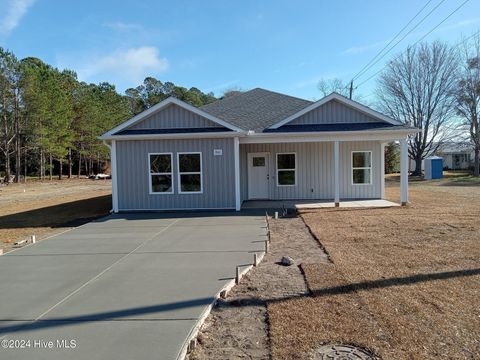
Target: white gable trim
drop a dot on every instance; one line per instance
(161, 105)
(342, 99)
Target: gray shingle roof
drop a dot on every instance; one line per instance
(256, 109)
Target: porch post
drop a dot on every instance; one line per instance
(336, 155)
(382, 169)
(404, 172)
(113, 159)
(236, 151)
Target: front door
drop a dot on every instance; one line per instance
(258, 175)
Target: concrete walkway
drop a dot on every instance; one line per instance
(124, 287)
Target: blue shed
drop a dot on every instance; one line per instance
(433, 168)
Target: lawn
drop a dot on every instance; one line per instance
(44, 208)
(403, 282)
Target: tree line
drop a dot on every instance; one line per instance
(434, 87)
(50, 121)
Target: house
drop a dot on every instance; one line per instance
(456, 156)
(255, 145)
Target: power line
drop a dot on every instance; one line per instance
(404, 36)
(455, 46)
(423, 37)
(391, 41)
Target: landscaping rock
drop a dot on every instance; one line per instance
(287, 261)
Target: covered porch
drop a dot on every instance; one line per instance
(323, 172)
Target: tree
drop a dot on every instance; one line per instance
(327, 86)
(467, 94)
(8, 69)
(392, 158)
(232, 91)
(417, 89)
(152, 91)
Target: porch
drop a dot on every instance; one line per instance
(321, 172)
(316, 204)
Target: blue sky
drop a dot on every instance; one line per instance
(285, 46)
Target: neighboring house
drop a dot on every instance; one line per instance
(255, 145)
(456, 156)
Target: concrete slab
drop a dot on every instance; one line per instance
(274, 205)
(101, 340)
(376, 203)
(128, 286)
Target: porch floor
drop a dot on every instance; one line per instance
(316, 204)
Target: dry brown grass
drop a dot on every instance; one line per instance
(46, 208)
(405, 282)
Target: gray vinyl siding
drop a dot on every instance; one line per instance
(174, 117)
(315, 170)
(333, 112)
(218, 175)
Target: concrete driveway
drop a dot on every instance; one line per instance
(123, 287)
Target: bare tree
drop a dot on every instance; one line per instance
(232, 91)
(327, 86)
(468, 93)
(416, 88)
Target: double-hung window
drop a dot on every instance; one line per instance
(286, 169)
(161, 179)
(189, 173)
(361, 167)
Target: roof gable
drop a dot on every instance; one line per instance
(335, 108)
(162, 105)
(173, 116)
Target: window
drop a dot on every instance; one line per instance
(361, 167)
(161, 179)
(286, 169)
(258, 161)
(189, 173)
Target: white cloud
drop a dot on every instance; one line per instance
(16, 9)
(121, 26)
(131, 65)
(461, 23)
(362, 48)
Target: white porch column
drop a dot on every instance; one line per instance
(113, 158)
(382, 169)
(404, 172)
(236, 151)
(336, 155)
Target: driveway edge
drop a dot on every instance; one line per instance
(185, 349)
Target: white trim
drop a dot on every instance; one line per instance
(382, 170)
(269, 138)
(160, 106)
(404, 162)
(189, 172)
(342, 99)
(361, 168)
(336, 175)
(113, 159)
(150, 191)
(236, 155)
(277, 169)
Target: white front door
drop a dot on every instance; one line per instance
(258, 175)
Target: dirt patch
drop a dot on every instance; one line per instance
(46, 208)
(238, 327)
(404, 281)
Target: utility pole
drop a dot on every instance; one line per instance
(351, 89)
